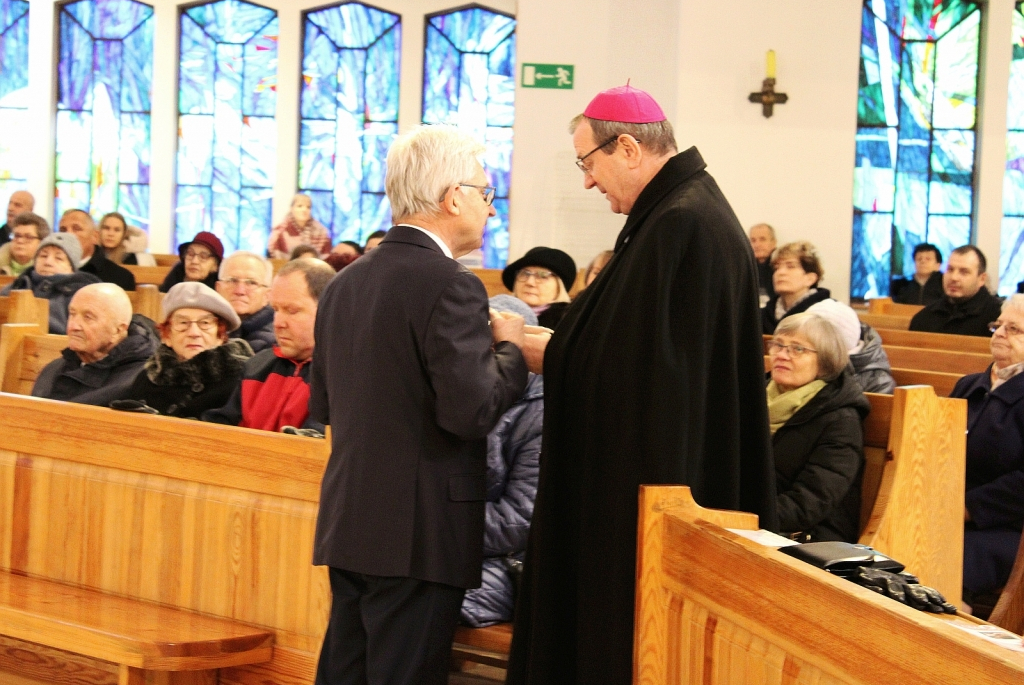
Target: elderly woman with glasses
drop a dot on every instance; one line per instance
(197, 366)
(542, 279)
(200, 260)
(994, 499)
(815, 411)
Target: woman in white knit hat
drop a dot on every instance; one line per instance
(867, 357)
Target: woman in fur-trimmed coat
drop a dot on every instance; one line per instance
(197, 366)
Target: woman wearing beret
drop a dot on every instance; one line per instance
(197, 366)
(542, 279)
(54, 276)
(200, 260)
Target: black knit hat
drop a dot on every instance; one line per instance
(559, 262)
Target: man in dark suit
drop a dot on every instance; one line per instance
(94, 259)
(410, 380)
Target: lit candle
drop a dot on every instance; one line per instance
(771, 64)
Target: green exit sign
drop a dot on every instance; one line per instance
(548, 76)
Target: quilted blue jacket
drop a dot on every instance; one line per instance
(513, 465)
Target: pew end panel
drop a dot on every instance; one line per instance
(149, 275)
(24, 350)
(716, 608)
(914, 516)
(146, 300)
(879, 321)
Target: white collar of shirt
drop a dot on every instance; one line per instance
(440, 243)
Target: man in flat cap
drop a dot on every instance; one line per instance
(655, 376)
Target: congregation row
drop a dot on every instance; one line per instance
(235, 344)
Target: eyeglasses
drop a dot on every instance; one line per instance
(586, 168)
(25, 236)
(795, 351)
(205, 325)
(247, 283)
(486, 191)
(524, 275)
(199, 255)
(1011, 329)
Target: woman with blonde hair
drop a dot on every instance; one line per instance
(298, 228)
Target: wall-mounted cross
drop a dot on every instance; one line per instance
(767, 97)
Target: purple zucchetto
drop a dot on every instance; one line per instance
(625, 104)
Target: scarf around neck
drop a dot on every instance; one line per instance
(783, 405)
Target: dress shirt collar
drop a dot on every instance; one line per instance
(440, 243)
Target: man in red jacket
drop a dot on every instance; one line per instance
(274, 391)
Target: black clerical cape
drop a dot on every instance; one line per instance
(655, 375)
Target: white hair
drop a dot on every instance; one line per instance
(424, 163)
(1015, 301)
(267, 266)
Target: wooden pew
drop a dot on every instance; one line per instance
(166, 259)
(146, 300)
(943, 383)
(492, 281)
(885, 305)
(6, 280)
(715, 608)
(935, 341)
(945, 361)
(152, 275)
(21, 306)
(195, 517)
(891, 321)
(25, 349)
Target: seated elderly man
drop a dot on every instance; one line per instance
(274, 389)
(243, 281)
(106, 349)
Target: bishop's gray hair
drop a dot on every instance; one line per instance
(424, 163)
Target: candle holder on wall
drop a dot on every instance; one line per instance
(767, 97)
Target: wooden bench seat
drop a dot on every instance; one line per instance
(137, 636)
(488, 645)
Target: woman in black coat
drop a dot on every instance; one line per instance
(816, 412)
(196, 367)
(796, 278)
(994, 496)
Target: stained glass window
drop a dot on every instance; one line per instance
(104, 84)
(469, 81)
(13, 95)
(914, 177)
(350, 67)
(227, 152)
(1011, 254)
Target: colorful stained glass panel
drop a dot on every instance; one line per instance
(1011, 256)
(916, 115)
(104, 89)
(227, 137)
(349, 105)
(13, 95)
(469, 81)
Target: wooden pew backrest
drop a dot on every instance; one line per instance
(153, 275)
(146, 299)
(935, 341)
(885, 305)
(213, 519)
(942, 382)
(24, 350)
(936, 360)
(491, 279)
(877, 321)
(21, 306)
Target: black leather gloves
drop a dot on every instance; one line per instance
(904, 588)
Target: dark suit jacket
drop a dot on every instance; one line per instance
(107, 271)
(405, 375)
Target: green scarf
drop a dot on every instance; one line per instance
(18, 269)
(782, 405)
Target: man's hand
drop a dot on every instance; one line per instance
(506, 326)
(537, 338)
